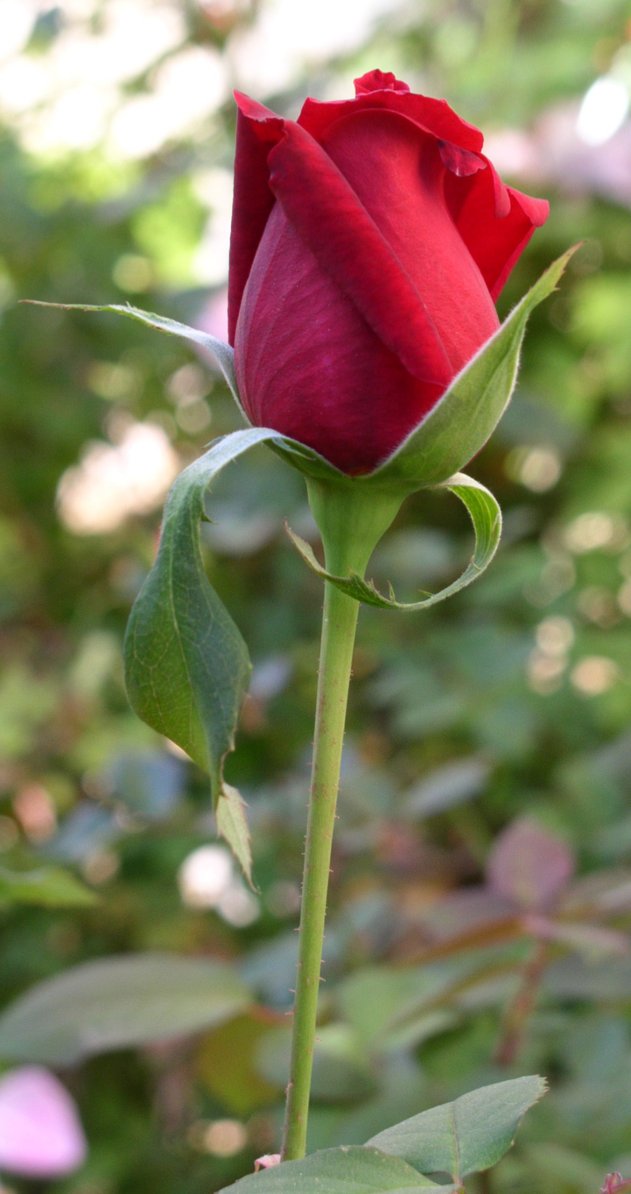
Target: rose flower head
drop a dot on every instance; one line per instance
(370, 240)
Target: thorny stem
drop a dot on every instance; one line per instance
(338, 635)
(350, 524)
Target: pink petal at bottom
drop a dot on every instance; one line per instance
(40, 1132)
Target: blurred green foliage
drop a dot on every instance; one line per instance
(512, 699)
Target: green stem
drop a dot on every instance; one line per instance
(338, 637)
(350, 527)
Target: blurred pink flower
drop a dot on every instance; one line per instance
(40, 1132)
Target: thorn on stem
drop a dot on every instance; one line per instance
(267, 1161)
(615, 1183)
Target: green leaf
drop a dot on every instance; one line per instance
(186, 663)
(222, 352)
(462, 421)
(486, 517)
(118, 1002)
(465, 1136)
(49, 887)
(351, 1170)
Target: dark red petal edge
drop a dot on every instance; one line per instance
(257, 128)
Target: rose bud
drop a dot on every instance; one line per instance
(370, 240)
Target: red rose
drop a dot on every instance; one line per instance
(369, 242)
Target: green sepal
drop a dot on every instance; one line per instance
(300, 456)
(222, 352)
(486, 518)
(186, 664)
(462, 420)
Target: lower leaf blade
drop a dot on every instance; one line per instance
(346, 1170)
(48, 887)
(118, 1002)
(186, 663)
(466, 1136)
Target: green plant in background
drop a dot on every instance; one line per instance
(410, 1010)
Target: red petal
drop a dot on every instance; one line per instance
(309, 365)
(333, 223)
(257, 127)
(495, 222)
(378, 80)
(397, 174)
(431, 115)
(461, 162)
(358, 264)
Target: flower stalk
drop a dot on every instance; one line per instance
(339, 622)
(351, 525)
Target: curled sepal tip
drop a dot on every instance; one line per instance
(486, 517)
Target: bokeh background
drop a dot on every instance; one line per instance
(481, 890)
